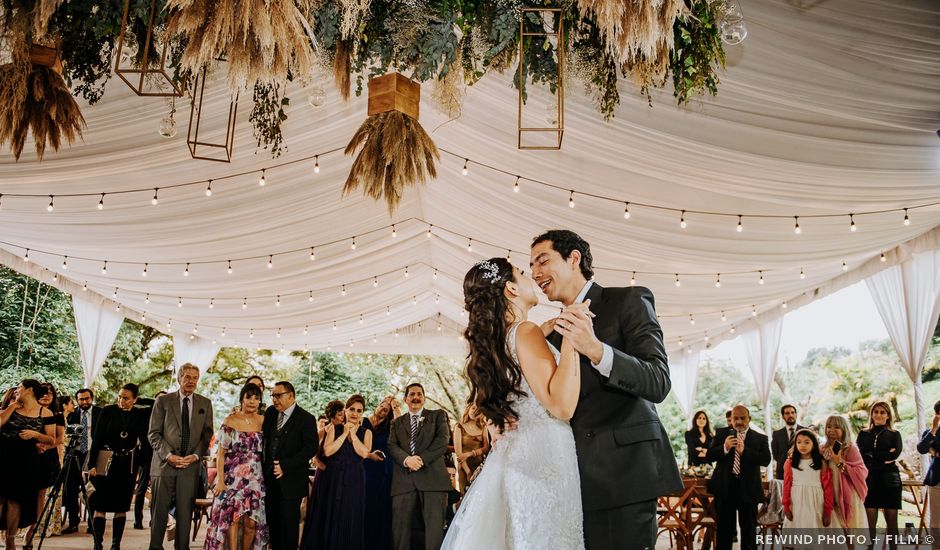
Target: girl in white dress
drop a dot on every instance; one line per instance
(528, 492)
(807, 485)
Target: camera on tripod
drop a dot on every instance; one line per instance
(74, 429)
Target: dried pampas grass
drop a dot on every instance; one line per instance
(635, 30)
(43, 104)
(342, 68)
(396, 153)
(449, 91)
(354, 11)
(261, 39)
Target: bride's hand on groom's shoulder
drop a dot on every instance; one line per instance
(548, 327)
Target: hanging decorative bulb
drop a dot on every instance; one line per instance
(316, 164)
(144, 272)
(313, 254)
(515, 186)
(718, 281)
(682, 222)
(101, 202)
(796, 225)
(633, 279)
(271, 262)
(677, 282)
(571, 199)
(167, 127)
(51, 205)
(261, 181)
(626, 210)
(209, 189)
(65, 263)
(740, 226)
(907, 220)
(229, 269)
(316, 97)
(852, 227)
(732, 28)
(723, 317)
(466, 167)
(155, 200)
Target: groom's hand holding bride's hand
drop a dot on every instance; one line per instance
(576, 323)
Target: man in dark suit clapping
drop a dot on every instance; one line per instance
(738, 453)
(417, 443)
(290, 441)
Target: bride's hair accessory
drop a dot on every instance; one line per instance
(490, 270)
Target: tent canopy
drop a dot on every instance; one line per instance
(828, 108)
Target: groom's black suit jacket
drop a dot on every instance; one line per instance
(624, 455)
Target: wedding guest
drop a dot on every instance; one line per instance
(25, 423)
(782, 440)
(930, 444)
(420, 483)
(112, 463)
(699, 438)
(807, 485)
(85, 416)
(67, 407)
(335, 518)
(180, 431)
(258, 381)
(378, 469)
(143, 468)
(335, 412)
(322, 421)
(848, 475)
(50, 462)
(728, 418)
(471, 444)
(290, 441)
(738, 453)
(880, 446)
(239, 486)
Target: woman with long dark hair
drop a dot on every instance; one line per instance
(378, 469)
(529, 392)
(50, 462)
(880, 445)
(699, 438)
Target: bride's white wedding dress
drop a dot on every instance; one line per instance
(528, 493)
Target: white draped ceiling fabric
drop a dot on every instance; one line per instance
(191, 349)
(762, 345)
(828, 108)
(96, 325)
(908, 299)
(683, 370)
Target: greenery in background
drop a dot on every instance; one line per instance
(698, 53)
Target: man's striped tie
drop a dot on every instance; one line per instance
(414, 433)
(736, 468)
(281, 418)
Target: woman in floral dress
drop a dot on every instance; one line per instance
(239, 487)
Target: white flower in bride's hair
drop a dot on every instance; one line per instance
(490, 270)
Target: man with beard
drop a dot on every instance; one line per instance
(85, 416)
(782, 439)
(420, 482)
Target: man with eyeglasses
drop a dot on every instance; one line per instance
(290, 441)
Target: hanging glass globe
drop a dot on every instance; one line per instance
(317, 97)
(733, 32)
(167, 127)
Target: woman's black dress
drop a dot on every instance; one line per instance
(691, 442)
(121, 432)
(49, 464)
(378, 490)
(19, 460)
(884, 480)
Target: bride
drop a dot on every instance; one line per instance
(527, 494)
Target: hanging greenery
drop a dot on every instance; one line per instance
(268, 114)
(698, 55)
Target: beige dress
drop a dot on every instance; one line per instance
(858, 519)
(806, 494)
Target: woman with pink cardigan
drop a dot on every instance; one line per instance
(848, 475)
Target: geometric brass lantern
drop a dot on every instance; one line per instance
(559, 127)
(137, 78)
(195, 114)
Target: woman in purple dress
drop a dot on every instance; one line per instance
(336, 513)
(239, 487)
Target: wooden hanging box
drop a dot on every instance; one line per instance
(394, 92)
(45, 56)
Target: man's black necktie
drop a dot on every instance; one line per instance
(184, 437)
(790, 439)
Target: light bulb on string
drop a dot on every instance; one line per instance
(760, 281)
(65, 263)
(414, 300)
(26, 256)
(114, 294)
(313, 254)
(626, 210)
(117, 308)
(155, 200)
(209, 189)
(343, 292)
(691, 319)
(394, 232)
(883, 258)
(733, 329)
(143, 316)
(334, 325)
(428, 234)
(195, 329)
(784, 305)
(466, 167)
(51, 206)
(677, 282)
(245, 303)
(388, 310)
(222, 334)
(101, 202)
(633, 279)
(261, 181)
(753, 311)
(310, 297)
(361, 320)
(723, 316)
(104, 268)
(907, 220)
(718, 280)
(571, 200)
(740, 226)
(375, 282)
(706, 338)
(845, 266)
(434, 276)
(277, 301)
(515, 186)
(85, 287)
(179, 302)
(229, 269)
(352, 245)
(802, 274)
(852, 227)
(316, 164)
(211, 303)
(270, 261)
(278, 333)
(145, 271)
(306, 330)
(682, 222)
(406, 271)
(796, 225)
(147, 298)
(251, 333)
(186, 271)
(55, 277)
(437, 299)
(469, 245)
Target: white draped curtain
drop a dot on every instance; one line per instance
(908, 299)
(762, 345)
(195, 350)
(684, 373)
(96, 326)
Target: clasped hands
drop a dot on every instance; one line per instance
(576, 324)
(414, 463)
(180, 462)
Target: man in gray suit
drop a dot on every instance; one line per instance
(417, 442)
(180, 431)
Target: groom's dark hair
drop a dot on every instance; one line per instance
(565, 242)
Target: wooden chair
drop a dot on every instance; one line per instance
(202, 508)
(672, 517)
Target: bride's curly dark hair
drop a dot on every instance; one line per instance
(494, 375)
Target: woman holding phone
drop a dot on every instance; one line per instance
(848, 475)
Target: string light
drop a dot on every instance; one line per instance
(753, 311)
(277, 301)
(261, 180)
(682, 222)
(718, 280)
(143, 316)
(278, 333)
(229, 267)
(26, 256)
(633, 279)
(784, 305)
(179, 302)
(678, 283)
(310, 297)
(316, 164)
(251, 333)
(740, 226)
(796, 225)
(723, 316)
(209, 189)
(114, 294)
(428, 234)
(883, 258)
(437, 299)
(469, 245)
(117, 308)
(104, 268)
(406, 271)
(845, 266)
(394, 232)
(306, 330)
(414, 300)
(691, 319)
(51, 206)
(907, 220)
(144, 272)
(55, 277)
(85, 287)
(761, 280)
(571, 200)
(466, 167)
(388, 310)
(222, 334)
(147, 299)
(733, 329)
(352, 246)
(375, 282)
(515, 186)
(626, 210)
(360, 319)
(65, 263)
(852, 227)
(211, 303)
(802, 274)
(101, 202)
(334, 325)
(155, 200)
(434, 276)
(343, 292)
(245, 303)
(186, 271)
(270, 261)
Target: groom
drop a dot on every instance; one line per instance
(624, 455)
